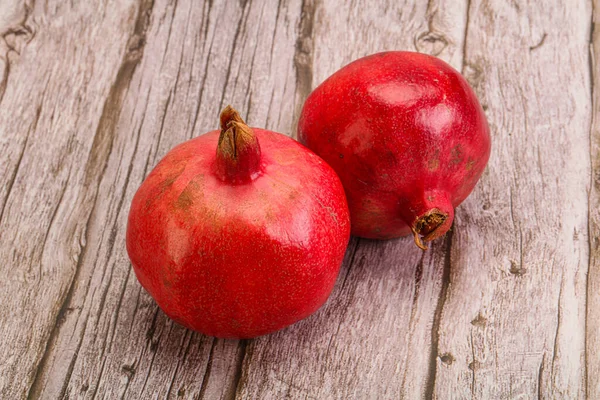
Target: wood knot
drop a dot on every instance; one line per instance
(129, 370)
(516, 269)
(479, 321)
(447, 358)
(473, 73)
(17, 29)
(431, 42)
(474, 365)
(135, 48)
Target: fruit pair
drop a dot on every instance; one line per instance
(249, 239)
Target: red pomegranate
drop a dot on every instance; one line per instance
(241, 241)
(407, 137)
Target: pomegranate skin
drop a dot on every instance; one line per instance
(239, 259)
(406, 135)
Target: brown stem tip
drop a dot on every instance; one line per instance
(425, 228)
(238, 150)
(228, 115)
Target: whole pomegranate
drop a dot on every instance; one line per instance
(241, 241)
(407, 137)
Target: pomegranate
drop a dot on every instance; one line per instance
(407, 137)
(243, 241)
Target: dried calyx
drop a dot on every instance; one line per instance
(427, 227)
(238, 151)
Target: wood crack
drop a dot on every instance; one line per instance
(413, 312)
(95, 168)
(201, 92)
(437, 318)
(244, 34)
(474, 366)
(185, 34)
(342, 286)
(164, 57)
(13, 177)
(206, 65)
(135, 309)
(4, 77)
(351, 263)
(208, 369)
(63, 392)
(540, 376)
(53, 217)
(274, 39)
(97, 385)
(240, 376)
(558, 325)
(114, 231)
(303, 56)
(243, 21)
(110, 252)
(593, 174)
(154, 349)
(180, 359)
(210, 5)
(464, 57)
(151, 345)
(117, 310)
(249, 88)
(36, 389)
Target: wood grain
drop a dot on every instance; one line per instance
(94, 93)
(55, 139)
(115, 342)
(375, 338)
(513, 322)
(592, 355)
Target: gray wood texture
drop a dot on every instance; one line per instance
(94, 93)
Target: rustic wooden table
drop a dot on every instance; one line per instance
(93, 93)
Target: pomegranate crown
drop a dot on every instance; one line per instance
(238, 151)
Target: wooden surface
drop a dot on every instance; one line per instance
(93, 93)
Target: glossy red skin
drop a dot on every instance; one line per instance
(239, 261)
(405, 133)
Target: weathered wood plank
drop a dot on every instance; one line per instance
(373, 339)
(495, 310)
(513, 322)
(54, 140)
(197, 57)
(593, 287)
